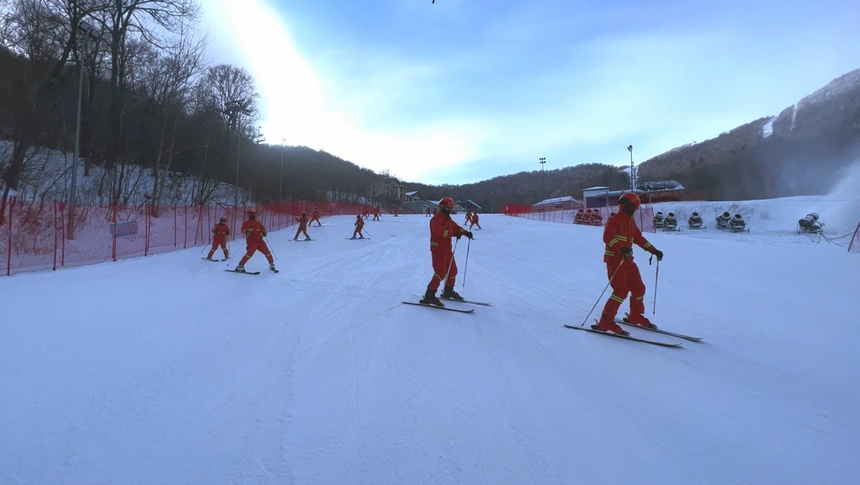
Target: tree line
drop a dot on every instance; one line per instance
(137, 71)
(149, 101)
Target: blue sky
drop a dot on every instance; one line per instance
(461, 91)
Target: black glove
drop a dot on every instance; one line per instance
(626, 252)
(659, 254)
(468, 234)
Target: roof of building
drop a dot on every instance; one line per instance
(557, 200)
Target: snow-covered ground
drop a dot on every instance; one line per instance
(166, 369)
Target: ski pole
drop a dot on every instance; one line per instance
(270, 248)
(365, 231)
(466, 266)
(450, 263)
(656, 275)
(601, 295)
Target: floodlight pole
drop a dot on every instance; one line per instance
(542, 161)
(632, 170)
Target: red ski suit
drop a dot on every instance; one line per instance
(442, 229)
(303, 226)
(221, 232)
(359, 225)
(254, 232)
(621, 231)
(315, 216)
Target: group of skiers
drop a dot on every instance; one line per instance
(471, 219)
(590, 217)
(619, 236)
(254, 233)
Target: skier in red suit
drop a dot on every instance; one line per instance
(221, 231)
(315, 216)
(254, 232)
(303, 227)
(359, 225)
(442, 229)
(475, 220)
(619, 234)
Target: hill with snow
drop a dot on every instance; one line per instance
(167, 369)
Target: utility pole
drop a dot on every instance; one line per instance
(632, 170)
(87, 31)
(239, 108)
(542, 161)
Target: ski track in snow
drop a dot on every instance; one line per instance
(177, 372)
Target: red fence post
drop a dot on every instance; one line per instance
(113, 209)
(9, 246)
(54, 206)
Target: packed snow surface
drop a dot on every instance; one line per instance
(167, 369)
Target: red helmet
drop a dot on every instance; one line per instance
(446, 202)
(252, 211)
(630, 198)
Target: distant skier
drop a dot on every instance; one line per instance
(221, 231)
(468, 217)
(376, 213)
(474, 220)
(315, 216)
(695, 221)
(303, 227)
(359, 225)
(442, 229)
(619, 235)
(254, 232)
(723, 220)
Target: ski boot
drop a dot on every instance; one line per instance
(608, 325)
(640, 320)
(450, 294)
(430, 298)
(273, 268)
(239, 269)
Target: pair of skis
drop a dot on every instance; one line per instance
(640, 339)
(275, 270)
(450, 309)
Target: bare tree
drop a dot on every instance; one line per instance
(230, 92)
(152, 21)
(165, 86)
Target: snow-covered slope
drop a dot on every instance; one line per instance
(167, 369)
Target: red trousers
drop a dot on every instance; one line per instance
(219, 241)
(441, 262)
(252, 248)
(626, 280)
